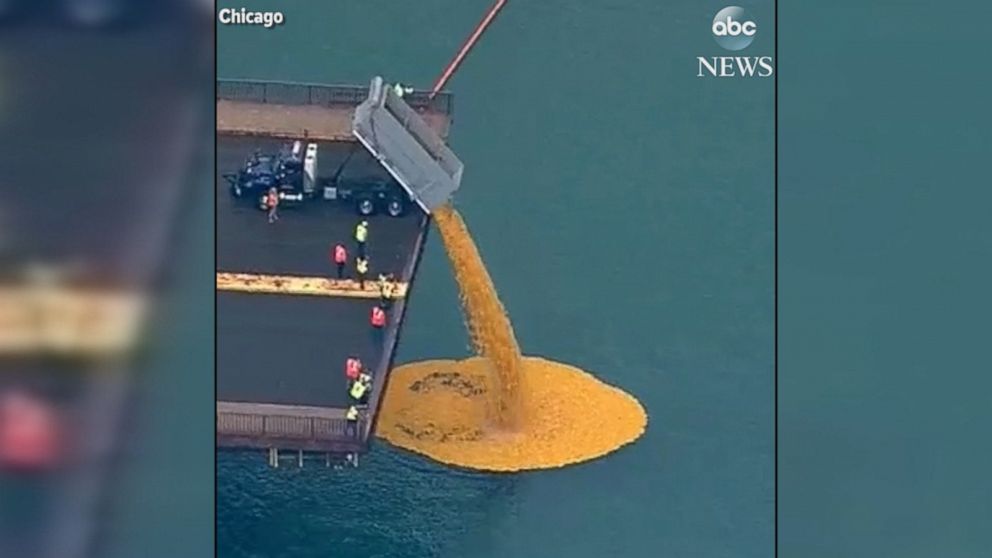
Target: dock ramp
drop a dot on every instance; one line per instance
(414, 154)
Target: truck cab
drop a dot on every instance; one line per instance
(294, 173)
(263, 171)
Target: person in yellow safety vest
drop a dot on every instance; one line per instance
(358, 390)
(352, 417)
(388, 290)
(362, 267)
(382, 287)
(361, 235)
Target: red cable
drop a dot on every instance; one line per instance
(467, 46)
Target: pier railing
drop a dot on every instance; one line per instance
(304, 427)
(283, 426)
(288, 93)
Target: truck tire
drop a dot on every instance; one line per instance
(364, 207)
(395, 207)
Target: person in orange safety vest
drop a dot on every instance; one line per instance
(340, 259)
(272, 204)
(378, 318)
(29, 433)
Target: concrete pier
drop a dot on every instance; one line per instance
(285, 323)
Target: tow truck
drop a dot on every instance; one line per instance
(293, 172)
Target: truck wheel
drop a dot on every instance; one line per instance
(365, 207)
(395, 207)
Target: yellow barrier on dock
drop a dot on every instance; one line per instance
(307, 286)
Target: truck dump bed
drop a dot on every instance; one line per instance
(406, 146)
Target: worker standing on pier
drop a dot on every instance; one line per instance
(378, 318)
(367, 380)
(378, 321)
(29, 433)
(272, 204)
(359, 388)
(352, 417)
(352, 369)
(387, 289)
(362, 268)
(340, 256)
(361, 236)
(381, 283)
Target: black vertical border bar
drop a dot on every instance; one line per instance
(213, 272)
(775, 280)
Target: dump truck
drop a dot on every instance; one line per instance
(403, 144)
(294, 173)
(421, 167)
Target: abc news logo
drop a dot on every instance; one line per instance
(734, 30)
(731, 28)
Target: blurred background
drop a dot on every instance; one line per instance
(106, 298)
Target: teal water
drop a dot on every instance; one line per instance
(885, 264)
(624, 208)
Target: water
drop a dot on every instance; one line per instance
(624, 209)
(885, 267)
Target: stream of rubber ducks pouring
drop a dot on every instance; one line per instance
(501, 410)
